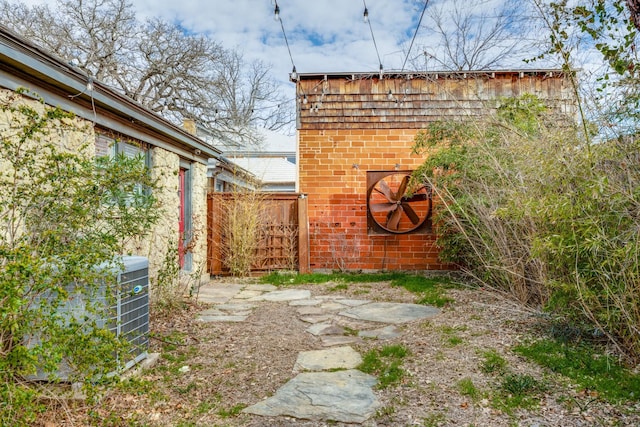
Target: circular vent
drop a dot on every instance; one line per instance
(396, 206)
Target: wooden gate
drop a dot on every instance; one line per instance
(283, 231)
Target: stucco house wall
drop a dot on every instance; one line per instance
(101, 111)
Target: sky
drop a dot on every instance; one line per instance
(330, 35)
(324, 35)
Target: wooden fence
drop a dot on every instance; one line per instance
(283, 232)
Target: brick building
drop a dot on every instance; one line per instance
(357, 130)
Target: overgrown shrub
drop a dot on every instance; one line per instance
(64, 215)
(534, 210)
(485, 173)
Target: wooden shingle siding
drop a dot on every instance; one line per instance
(349, 102)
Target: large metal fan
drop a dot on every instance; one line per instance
(394, 205)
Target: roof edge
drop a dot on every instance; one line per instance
(358, 75)
(33, 60)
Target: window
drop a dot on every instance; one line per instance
(111, 146)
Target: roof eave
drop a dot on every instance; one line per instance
(24, 56)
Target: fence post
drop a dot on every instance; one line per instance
(303, 235)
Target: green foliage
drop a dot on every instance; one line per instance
(606, 26)
(434, 420)
(385, 363)
(479, 179)
(524, 113)
(339, 287)
(518, 391)
(520, 384)
(466, 387)
(64, 216)
(233, 411)
(431, 290)
(512, 390)
(170, 286)
(533, 210)
(592, 370)
(281, 279)
(492, 362)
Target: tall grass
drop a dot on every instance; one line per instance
(242, 217)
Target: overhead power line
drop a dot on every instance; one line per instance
(373, 37)
(415, 33)
(277, 17)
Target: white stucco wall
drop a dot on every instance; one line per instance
(164, 235)
(199, 207)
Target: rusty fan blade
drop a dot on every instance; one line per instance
(415, 198)
(394, 219)
(403, 187)
(382, 207)
(383, 188)
(411, 213)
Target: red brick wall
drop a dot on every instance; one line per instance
(333, 173)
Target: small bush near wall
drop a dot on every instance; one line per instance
(62, 214)
(242, 218)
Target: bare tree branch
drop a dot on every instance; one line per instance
(157, 63)
(461, 35)
(634, 10)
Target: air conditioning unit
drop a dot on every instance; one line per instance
(127, 317)
(131, 308)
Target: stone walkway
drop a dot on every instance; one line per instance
(326, 385)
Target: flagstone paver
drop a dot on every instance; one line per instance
(390, 312)
(318, 318)
(218, 294)
(261, 288)
(322, 360)
(352, 302)
(222, 318)
(305, 302)
(345, 395)
(386, 333)
(236, 306)
(332, 306)
(310, 310)
(331, 340)
(285, 295)
(325, 329)
(246, 294)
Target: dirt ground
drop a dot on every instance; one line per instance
(208, 372)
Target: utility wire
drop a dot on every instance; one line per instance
(286, 41)
(426, 3)
(366, 14)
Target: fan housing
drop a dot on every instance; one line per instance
(397, 206)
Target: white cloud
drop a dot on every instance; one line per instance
(324, 36)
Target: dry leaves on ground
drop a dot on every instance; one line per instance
(208, 372)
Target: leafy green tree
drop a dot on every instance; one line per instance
(63, 218)
(608, 27)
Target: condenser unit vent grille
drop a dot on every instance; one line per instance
(126, 317)
(132, 307)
